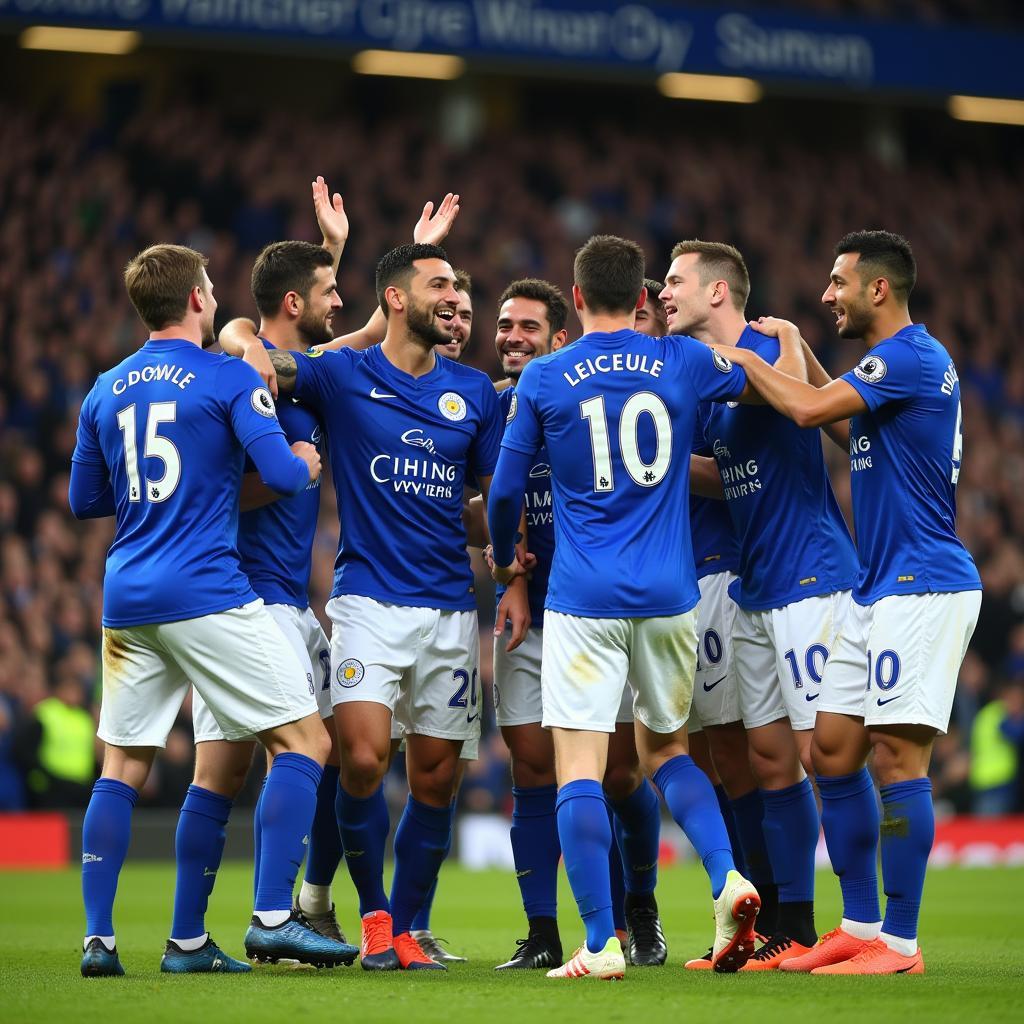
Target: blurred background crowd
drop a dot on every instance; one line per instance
(85, 185)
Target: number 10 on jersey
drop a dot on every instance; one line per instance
(646, 474)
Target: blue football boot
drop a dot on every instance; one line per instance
(294, 939)
(100, 962)
(207, 959)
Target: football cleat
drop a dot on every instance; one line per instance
(735, 915)
(645, 945)
(411, 956)
(607, 965)
(100, 962)
(877, 958)
(431, 945)
(775, 952)
(532, 953)
(700, 963)
(325, 924)
(207, 959)
(294, 939)
(833, 948)
(378, 945)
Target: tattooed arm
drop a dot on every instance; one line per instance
(284, 366)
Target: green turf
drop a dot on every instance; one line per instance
(969, 931)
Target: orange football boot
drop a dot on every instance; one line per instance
(833, 948)
(877, 958)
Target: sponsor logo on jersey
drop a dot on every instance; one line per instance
(317, 436)
(541, 469)
(871, 369)
(350, 672)
(513, 408)
(721, 363)
(262, 402)
(453, 406)
(415, 437)
(721, 450)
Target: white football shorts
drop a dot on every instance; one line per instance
(896, 661)
(716, 698)
(589, 663)
(422, 663)
(303, 631)
(780, 655)
(247, 672)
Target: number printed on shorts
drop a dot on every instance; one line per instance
(813, 662)
(646, 474)
(711, 649)
(325, 667)
(465, 696)
(884, 669)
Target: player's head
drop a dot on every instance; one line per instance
(462, 323)
(873, 270)
(704, 278)
(168, 285)
(416, 282)
(650, 317)
(531, 322)
(608, 276)
(295, 281)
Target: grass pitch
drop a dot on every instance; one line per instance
(970, 939)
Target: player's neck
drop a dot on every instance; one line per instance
(408, 355)
(179, 332)
(724, 330)
(606, 323)
(282, 336)
(886, 324)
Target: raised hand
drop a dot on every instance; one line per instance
(432, 228)
(330, 214)
(774, 327)
(310, 456)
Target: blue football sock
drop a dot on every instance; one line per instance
(535, 848)
(421, 922)
(638, 831)
(908, 831)
(586, 836)
(849, 819)
(286, 815)
(324, 852)
(106, 831)
(422, 841)
(791, 835)
(692, 804)
(198, 848)
(730, 826)
(257, 839)
(365, 824)
(748, 814)
(616, 877)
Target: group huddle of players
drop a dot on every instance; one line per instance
(629, 661)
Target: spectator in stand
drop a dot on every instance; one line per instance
(997, 741)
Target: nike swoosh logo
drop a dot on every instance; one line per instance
(374, 393)
(810, 696)
(523, 874)
(708, 689)
(472, 718)
(207, 873)
(881, 703)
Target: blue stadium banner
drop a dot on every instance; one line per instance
(644, 37)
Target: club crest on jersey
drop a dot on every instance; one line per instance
(350, 672)
(313, 353)
(513, 408)
(452, 406)
(871, 369)
(721, 363)
(262, 402)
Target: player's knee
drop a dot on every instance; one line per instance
(621, 781)
(435, 783)
(363, 766)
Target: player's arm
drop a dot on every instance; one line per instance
(255, 493)
(281, 468)
(90, 495)
(705, 478)
(474, 518)
(803, 403)
(331, 219)
(504, 511)
(797, 360)
(431, 229)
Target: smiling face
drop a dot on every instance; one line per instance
(523, 333)
(685, 300)
(461, 326)
(650, 317)
(847, 297)
(431, 302)
(314, 325)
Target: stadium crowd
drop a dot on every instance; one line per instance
(81, 197)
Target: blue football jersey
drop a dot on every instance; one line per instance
(275, 541)
(401, 449)
(793, 539)
(171, 423)
(905, 456)
(715, 548)
(617, 413)
(540, 523)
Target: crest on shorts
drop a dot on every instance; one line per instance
(262, 402)
(452, 406)
(721, 363)
(871, 369)
(350, 672)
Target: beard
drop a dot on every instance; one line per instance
(313, 330)
(423, 326)
(858, 322)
